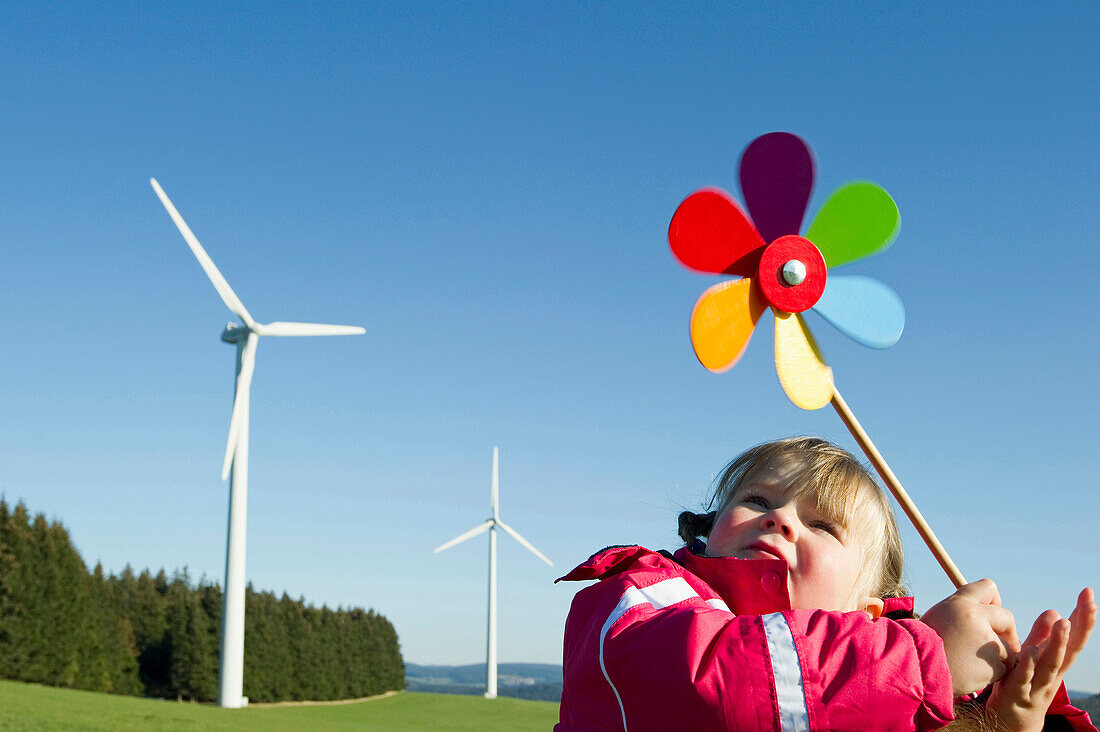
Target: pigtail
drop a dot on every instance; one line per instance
(695, 525)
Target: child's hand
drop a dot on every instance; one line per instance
(1020, 700)
(978, 635)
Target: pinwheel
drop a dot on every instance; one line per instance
(791, 273)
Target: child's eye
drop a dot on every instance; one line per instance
(825, 526)
(755, 500)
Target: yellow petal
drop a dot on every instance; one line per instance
(802, 371)
(722, 322)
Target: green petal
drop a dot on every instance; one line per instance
(858, 220)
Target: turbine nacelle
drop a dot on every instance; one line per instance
(234, 333)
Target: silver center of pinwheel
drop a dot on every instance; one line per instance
(794, 272)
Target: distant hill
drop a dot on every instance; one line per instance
(540, 681)
(1091, 705)
(474, 673)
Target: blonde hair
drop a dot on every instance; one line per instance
(842, 488)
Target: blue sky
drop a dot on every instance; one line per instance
(486, 189)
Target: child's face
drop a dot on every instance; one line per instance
(764, 521)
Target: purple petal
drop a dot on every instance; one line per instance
(777, 174)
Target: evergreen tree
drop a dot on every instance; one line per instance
(260, 670)
(17, 641)
(192, 661)
(147, 610)
(56, 626)
(159, 636)
(112, 657)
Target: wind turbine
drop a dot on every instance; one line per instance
(245, 337)
(491, 525)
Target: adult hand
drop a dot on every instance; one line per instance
(979, 636)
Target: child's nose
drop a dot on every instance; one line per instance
(774, 522)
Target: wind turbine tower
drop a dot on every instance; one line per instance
(245, 336)
(491, 524)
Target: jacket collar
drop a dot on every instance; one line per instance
(748, 586)
(757, 586)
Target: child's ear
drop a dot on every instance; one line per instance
(872, 606)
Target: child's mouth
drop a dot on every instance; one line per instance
(760, 551)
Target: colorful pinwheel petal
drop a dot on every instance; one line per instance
(783, 270)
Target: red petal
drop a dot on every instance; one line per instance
(709, 233)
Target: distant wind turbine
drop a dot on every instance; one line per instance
(245, 336)
(491, 525)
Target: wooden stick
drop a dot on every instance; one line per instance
(894, 485)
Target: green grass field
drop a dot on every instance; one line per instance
(32, 707)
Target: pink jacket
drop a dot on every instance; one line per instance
(714, 645)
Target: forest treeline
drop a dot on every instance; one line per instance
(155, 635)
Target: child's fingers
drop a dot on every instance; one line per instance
(1019, 680)
(1082, 621)
(1040, 631)
(1048, 665)
(1085, 601)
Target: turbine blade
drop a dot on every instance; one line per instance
(279, 328)
(527, 545)
(228, 296)
(240, 401)
(495, 486)
(463, 537)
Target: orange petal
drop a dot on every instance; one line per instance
(722, 322)
(802, 371)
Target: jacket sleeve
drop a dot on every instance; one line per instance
(1062, 716)
(662, 656)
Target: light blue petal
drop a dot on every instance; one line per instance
(863, 309)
